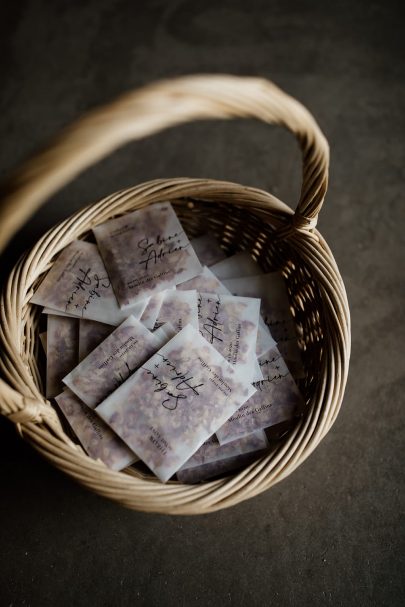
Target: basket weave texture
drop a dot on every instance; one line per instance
(242, 218)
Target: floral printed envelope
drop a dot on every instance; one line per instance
(145, 252)
(175, 401)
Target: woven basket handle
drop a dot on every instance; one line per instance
(153, 108)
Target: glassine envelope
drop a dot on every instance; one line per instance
(175, 401)
(145, 252)
(179, 308)
(207, 249)
(213, 469)
(96, 437)
(91, 334)
(164, 333)
(230, 324)
(239, 265)
(275, 306)
(150, 313)
(212, 451)
(78, 285)
(230, 270)
(206, 282)
(112, 362)
(62, 340)
(276, 400)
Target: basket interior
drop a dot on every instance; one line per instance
(236, 229)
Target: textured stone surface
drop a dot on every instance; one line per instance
(330, 534)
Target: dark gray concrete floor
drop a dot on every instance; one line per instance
(330, 534)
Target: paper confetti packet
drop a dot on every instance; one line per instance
(206, 282)
(276, 400)
(62, 343)
(212, 451)
(77, 284)
(150, 313)
(91, 334)
(291, 353)
(265, 340)
(230, 324)
(175, 401)
(97, 439)
(42, 338)
(235, 266)
(216, 469)
(164, 333)
(207, 249)
(180, 308)
(161, 255)
(112, 362)
(275, 306)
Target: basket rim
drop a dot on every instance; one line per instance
(39, 424)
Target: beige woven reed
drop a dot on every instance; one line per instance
(240, 216)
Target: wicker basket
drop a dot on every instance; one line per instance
(241, 218)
